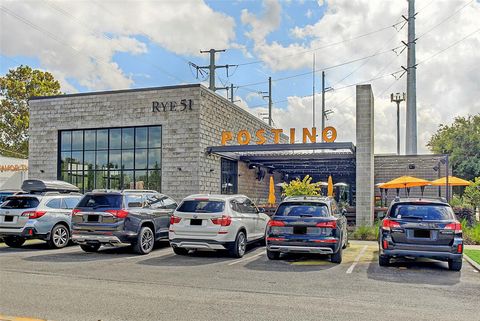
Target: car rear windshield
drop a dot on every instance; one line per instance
(21, 202)
(418, 211)
(202, 206)
(308, 209)
(113, 201)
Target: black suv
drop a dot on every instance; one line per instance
(114, 218)
(421, 228)
(307, 224)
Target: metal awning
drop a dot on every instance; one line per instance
(318, 159)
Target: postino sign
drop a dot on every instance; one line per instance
(309, 135)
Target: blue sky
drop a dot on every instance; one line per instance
(94, 45)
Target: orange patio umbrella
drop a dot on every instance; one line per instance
(271, 194)
(330, 186)
(452, 181)
(405, 182)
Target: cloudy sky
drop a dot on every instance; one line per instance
(93, 45)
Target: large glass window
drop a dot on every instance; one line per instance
(111, 158)
(229, 176)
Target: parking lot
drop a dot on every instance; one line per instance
(115, 284)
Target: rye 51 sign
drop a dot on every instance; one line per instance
(164, 106)
(244, 137)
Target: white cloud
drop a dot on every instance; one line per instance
(309, 13)
(447, 84)
(79, 39)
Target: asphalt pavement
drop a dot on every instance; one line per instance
(116, 284)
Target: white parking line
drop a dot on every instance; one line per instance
(246, 258)
(350, 269)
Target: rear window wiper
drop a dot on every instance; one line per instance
(413, 217)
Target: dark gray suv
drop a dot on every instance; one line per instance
(114, 218)
(421, 228)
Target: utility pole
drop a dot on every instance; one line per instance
(313, 92)
(411, 126)
(231, 93)
(212, 67)
(398, 99)
(270, 101)
(323, 103)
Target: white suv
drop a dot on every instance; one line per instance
(216, 222)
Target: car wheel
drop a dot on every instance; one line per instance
(59, 237)
(239, 247)
(383, 260)
(145, 241)
(90, 247)
(337, 257)
(273, 255)
(180, 251)
(14, 241)
(455, 265)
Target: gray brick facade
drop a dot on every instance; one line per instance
(186, 169)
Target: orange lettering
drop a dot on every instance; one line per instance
(226, 136)
(276, 135)
(292, 135)
(261, 137)
(311, 136)
(329, 134)
(243, 137)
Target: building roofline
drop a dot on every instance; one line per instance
(119, 91)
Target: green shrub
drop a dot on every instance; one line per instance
(471, 234)
(366, 233)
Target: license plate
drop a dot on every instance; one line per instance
(195, 222)
(8, 218)
(299, 230)
(93, 218)
(425, 234)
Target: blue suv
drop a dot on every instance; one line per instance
(307, 224)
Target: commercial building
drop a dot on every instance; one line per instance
(183, 140)
(13, 171)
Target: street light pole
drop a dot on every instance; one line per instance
(398, 99)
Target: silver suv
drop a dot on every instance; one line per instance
(45, 216)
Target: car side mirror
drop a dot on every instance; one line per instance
(135, 204)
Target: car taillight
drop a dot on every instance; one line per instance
(385, 244)
(457, 227)
(329, 224)
(118, 213)
(388, 224)
(222, 221)
(174, 220)
(34, 214)
(75, 211)
(276, 223)
(460, 248)
(275, 239)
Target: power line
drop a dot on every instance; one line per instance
(328, 45)
(448, 47)
(445, 19)
(321, 69)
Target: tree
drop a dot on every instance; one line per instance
(472, 194)
(462, 141)
(16, 87)
(299, 187)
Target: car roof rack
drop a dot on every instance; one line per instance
(307, 197)
(38, 186)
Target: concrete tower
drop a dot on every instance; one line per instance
(411, 127)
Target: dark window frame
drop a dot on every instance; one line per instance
(224, 172)
(106, 182)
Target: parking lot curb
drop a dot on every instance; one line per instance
(472, 262)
